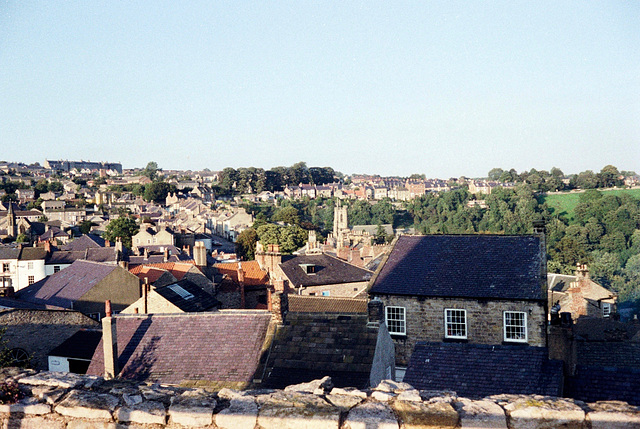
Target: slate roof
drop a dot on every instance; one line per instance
(310, 346)
(328, 270)
(94, 254)
(463, 266)
(199, 300)
(591, 384)
(479, 370)
(325, 304)
(608, 354)
(66, 286)
(7, 252)
(222, 347)
(84, 242)
(32, 253)
(81, 345)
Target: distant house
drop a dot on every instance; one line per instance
(581, 296)
(21, 266)
(219, 349)
(243, 285)
(476, 289)
(85, 286)
(315, 274)
(178, 297)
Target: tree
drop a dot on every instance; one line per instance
(85, 226)
(246, 244)
(158, 191)
(495, 173)
(288, 215)
(122, 227)
(151, 170)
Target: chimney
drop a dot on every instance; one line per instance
(540, 231)
(145, 296)
(375, 313)
(241, 283)
(166, 255)
(278, 304)
(110, 344)
(146, 253)
(119, 244)
(200, 254)
(107, 243)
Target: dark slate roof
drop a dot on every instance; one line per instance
(325, 304)
(95, 254)
(199, 300)
(608, 354)
(310, 346)
(328, 270)
(32, 253)
(66, 286)
(81, 345)
(605, 329)
(591, 384)
(20, 304)
(84, 242)
(465, 266)
(478, 370)
(222, 347)
(7, 252)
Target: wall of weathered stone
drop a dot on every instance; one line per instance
(39, 331)
(425, 321)
(69, 401)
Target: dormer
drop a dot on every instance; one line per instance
(309, 269)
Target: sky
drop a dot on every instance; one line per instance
(441, 88)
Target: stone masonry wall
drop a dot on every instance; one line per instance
(39, 331)
(425, 321)
(70, 401)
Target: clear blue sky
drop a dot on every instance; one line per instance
(441, 88)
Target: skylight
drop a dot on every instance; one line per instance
(181, 291)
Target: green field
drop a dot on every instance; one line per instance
(565, 204)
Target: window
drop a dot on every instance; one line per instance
(606, 309)
(515, 326)
(395, 319)
(5, 267)
(94, 316)
(31, 280)
(455, 323)
(184, 294)
(56, 268)
(326, 293)
(30, 265)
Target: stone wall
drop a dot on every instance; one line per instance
(58, 401)
(425, 321)
(39, 331)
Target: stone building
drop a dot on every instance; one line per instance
(475, 289)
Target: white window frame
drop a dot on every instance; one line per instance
(448, 321)
(513, 325)
(606, 309)
(398, 317)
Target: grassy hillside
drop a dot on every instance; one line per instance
(565, 203)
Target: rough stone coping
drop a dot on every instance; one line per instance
(70, 400)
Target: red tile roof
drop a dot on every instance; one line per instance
(253, 274)
(178, 269)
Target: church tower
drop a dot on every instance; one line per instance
(11, 216)
(340, 222)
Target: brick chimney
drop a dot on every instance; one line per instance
(200, 254)
(241, 283)
(375, 313)
(110, 344)
(278, 305)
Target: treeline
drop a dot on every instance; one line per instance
(288, 224)
(605, 232)
(256, 180)
(549, 181)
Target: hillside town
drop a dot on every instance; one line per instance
(139, 274)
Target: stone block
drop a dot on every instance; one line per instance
(317, 387)
(84, 424)
(535, 412)
(192, 409)
(148, 412)
(383, 396)
(480, 414)
(241, 414)
(289, 410)
(371, 415)
(350, 391)
(419, 415)
(344, 402)
(39, 422)
(87, 405)
(613, 415)
(65, 380)
(26, 406)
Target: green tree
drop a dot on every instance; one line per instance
(246, 244)
(85, 226)
(122, 227)
(151, 170)
(158, 191)
(288, 215)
